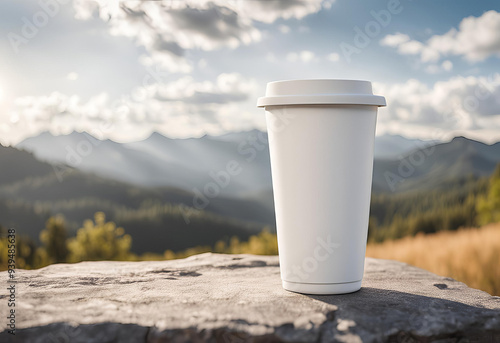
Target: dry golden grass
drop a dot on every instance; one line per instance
(471, 256)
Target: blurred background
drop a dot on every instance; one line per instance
(120, 124)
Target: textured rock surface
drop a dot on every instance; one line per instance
(239, 298)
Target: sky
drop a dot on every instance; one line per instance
(186, 68)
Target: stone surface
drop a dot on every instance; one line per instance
(239, 298)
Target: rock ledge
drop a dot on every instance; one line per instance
(239, 298)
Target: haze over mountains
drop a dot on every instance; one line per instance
(183, 163)
(400, 164)
(161, 161)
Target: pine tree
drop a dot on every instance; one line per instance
(54, 239)
(100, 240)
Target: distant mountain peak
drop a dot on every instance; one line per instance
(156, 136)
(468, 141)
(463, 139)
(80, 134)
(74, 133)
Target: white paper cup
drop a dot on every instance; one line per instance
(321, 137)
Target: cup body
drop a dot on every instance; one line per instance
(322, 164)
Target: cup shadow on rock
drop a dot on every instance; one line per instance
(398, 316)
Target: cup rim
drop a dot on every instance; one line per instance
(320, 92)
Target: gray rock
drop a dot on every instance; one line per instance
(239, 298)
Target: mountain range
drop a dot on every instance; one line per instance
(434, 166)
(188, 164)
(196, 164)
(160, 161)
(175, 193)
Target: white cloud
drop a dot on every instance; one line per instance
(406, 46)
(460, 103)
(446, 66)
(182, 108)
(168, 28)
(395, 39)
(270, 10)
(226, 89)
(284, 29)
(476, 39)
(304, 56)
(187, 108)
(334, 57)
(59, 112)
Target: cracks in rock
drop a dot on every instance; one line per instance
(441, 285)
(252, 264)
(146, 336)
(177, 272)
(172, 274)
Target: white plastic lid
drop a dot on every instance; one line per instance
(320, 92)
